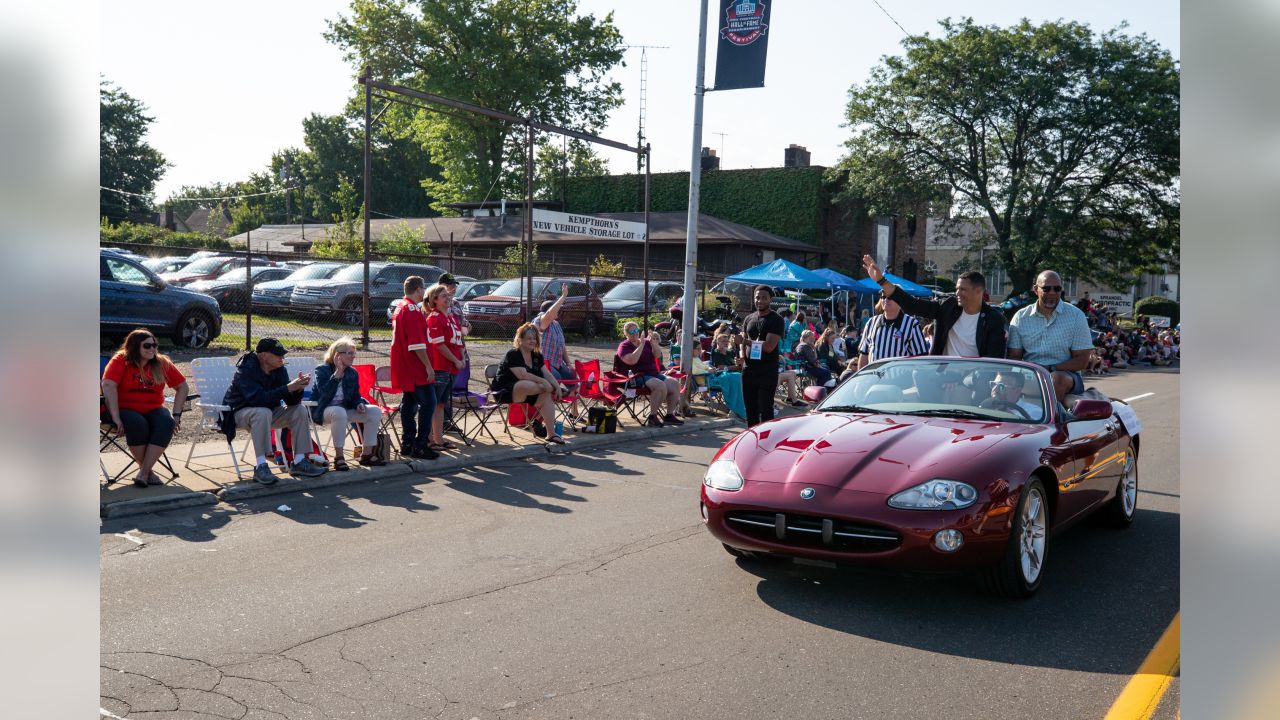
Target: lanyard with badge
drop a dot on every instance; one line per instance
(757, 345)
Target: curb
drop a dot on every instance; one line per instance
(173, 501)
(442, 466)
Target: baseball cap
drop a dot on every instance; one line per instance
(272, 346)
(546, 306)
(447, 279)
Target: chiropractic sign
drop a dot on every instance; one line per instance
(1121, 303)
(589, 225)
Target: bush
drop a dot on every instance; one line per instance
(146, 234)
(1157, 305)
(604, 267)
(654, 318)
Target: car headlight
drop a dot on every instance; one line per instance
(723, 475)
(937, 494)
(510, 311)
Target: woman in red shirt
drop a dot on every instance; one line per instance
(133, 392)
(446, 349)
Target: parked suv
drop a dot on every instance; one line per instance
(502, 311)
(231, 290)
(131, 296)
(274, 295)
(342, 294)
(627, 298)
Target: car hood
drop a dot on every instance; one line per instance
(869, 453)
(498, 299)
(277, 284)
(207, 285)
(180, 277)
(326, 284)
(621, 305)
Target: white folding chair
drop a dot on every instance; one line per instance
(212, 376)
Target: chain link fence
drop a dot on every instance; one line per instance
(307, 301)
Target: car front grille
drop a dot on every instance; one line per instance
(272, 293)
(312, 292)
(814, 532)
(483, 310)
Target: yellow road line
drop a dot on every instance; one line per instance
(1142, 695)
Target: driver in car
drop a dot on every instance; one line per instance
(1006, 391)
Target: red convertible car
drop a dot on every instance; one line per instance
(931, 464)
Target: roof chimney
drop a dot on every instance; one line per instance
(709, 160)
(795, 156)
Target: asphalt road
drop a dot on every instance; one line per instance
(586, 587)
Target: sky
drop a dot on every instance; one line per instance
(229, 86)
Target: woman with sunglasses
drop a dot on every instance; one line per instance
(339, 403)
(133, 398)
(523, 377)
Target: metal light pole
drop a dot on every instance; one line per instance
(368, 172)
(695, 185)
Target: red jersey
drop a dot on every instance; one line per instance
(136, 389)
(443, 330)
(409, 334)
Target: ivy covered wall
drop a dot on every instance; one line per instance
(784, 201)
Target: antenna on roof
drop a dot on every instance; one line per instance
(644, 95)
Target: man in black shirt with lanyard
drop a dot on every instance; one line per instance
(764, 330)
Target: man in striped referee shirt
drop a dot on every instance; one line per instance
(891, 333)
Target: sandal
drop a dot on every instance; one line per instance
(448, 445)
(372, 460)
(557, 440)
(340, 463)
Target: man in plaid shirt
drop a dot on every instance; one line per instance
(1054, 334)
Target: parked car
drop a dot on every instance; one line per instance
(205, 268)
(274, 295)
(231, 290)
(342, 295)
(603, 285)
(626, 299)
(892, 472)
(502, 311)
(163, 265)
(126, 253)
(467, 290)
(131, 296)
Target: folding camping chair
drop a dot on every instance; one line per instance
(212, 376)
(381, 389)
(108, 439)
(468, 404)
(569, 405)
(594, 390)
(521, 419)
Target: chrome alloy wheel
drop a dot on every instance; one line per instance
(1032, 540)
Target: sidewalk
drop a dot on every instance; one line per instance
(212, 480)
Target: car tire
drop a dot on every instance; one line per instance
(194, 330)
(1021, 569)
(590, 326)
(1120, 510)
(351, 313)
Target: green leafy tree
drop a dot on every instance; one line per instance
(512, 265)
(345, 239)
(605, 267)
(402, 243)
(1065, 141)
(126, 162)
(555, 162)
(521, 57)
(245, 216)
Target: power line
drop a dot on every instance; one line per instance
(895, 22)
(178, 199)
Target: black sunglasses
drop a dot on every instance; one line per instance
(1051, 288)
(150, 346)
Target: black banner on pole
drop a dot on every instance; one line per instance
(743, 42)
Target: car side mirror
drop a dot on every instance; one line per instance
(1091, 410)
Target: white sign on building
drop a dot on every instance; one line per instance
(573, 224)
(1121, 303)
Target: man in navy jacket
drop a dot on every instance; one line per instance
(261, 398)
(964, 324)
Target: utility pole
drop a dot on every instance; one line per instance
(695, 187)
(644, 95)
(722, 137)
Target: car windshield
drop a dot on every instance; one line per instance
(237, 274)
(158, 263)
(967, 389)
(204, 265)
(629, 290)
(313, 272)
(515, 287)
(354, 271)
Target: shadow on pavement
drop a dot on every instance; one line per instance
(1106, 598)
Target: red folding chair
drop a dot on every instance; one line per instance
(594, 389)
(378, 394)
(568, 407)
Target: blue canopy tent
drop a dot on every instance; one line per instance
(845, 283)
(910, 287)
(783, 274)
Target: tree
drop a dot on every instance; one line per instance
(1065, 141)
(521, 57)
(603, 266)
(126, 162)
(245, 216)
(512, 265)
(555, 163)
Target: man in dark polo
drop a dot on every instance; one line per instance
(763, 330)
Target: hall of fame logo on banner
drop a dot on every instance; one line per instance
(744, 22)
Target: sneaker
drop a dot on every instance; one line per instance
(306, 468)
(263, 475)
(653, 421)
(539, 430)
(670, 419)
